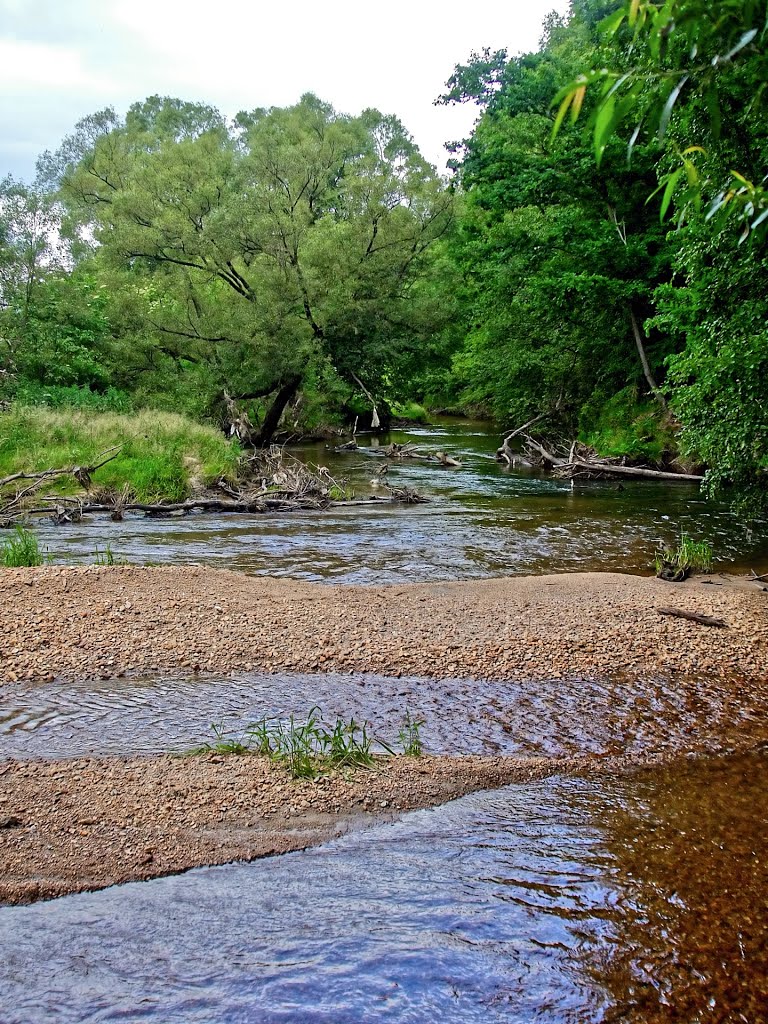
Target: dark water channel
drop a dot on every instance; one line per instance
(636, 899)
(484, 520)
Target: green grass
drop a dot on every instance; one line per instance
(108, 557)
(310, 747)
(21, 549)
(410, 411)
(410, 735)
(688, 556)
(624, 426)
(163, 456)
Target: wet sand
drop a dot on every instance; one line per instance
(74, 825)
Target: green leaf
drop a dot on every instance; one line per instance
(745, 40)
(604, 126)
(712, 101)
(633, 141)
(669, 192)
(610, 26)
(562, 111)
(667, 111)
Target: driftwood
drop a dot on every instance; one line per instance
(703, 620)
(271, 482)
(397, 451)
(583, 462)
(12, 506)
(505, 453)
(73, 512)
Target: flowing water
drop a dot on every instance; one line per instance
(533, 718)
(638, 899)
(483, 520)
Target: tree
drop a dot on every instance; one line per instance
(29, 250)
(559, 260)
(692, 75)
(288, 240)
(706, 63)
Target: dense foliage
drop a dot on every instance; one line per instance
(642, 334)
(599, 256)
(288, 249)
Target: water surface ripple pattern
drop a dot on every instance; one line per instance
(564, 901)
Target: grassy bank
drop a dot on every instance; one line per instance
(163, 455)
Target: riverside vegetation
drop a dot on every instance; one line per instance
(309, 746)
(295, 269)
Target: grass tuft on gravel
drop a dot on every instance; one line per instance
(311, 747)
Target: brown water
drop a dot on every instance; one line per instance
(641, 899)
(484, 520)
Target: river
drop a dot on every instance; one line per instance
(637, 897)
(483, 520)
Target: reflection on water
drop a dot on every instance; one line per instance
(483, 521)
(638, 899)
(546, 718)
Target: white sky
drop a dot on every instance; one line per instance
(63, 59)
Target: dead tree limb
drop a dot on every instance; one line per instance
(609, 467)
(76, 471)
(505, 453)
(375, 422)
(703, 620)
(648, 373)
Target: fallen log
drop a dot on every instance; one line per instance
(73, 512)
(703, 620)
(612, 468)
(571, 466)
(397, 451)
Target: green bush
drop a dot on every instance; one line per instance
(625, 426)
(72, 397)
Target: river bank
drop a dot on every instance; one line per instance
(104, 621)
(66, 826)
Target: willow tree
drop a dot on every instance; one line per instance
(287, 239)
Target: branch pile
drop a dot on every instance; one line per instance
(397, 451)
(15, 499)
(269, 481)
(578, 461)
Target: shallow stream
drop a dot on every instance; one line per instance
(483, 520)
(638, 898)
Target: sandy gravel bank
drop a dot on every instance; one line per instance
(69, 826)
(76, 825)
(100, 621)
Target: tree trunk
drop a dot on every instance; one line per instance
(644, 360)
(272, 419)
